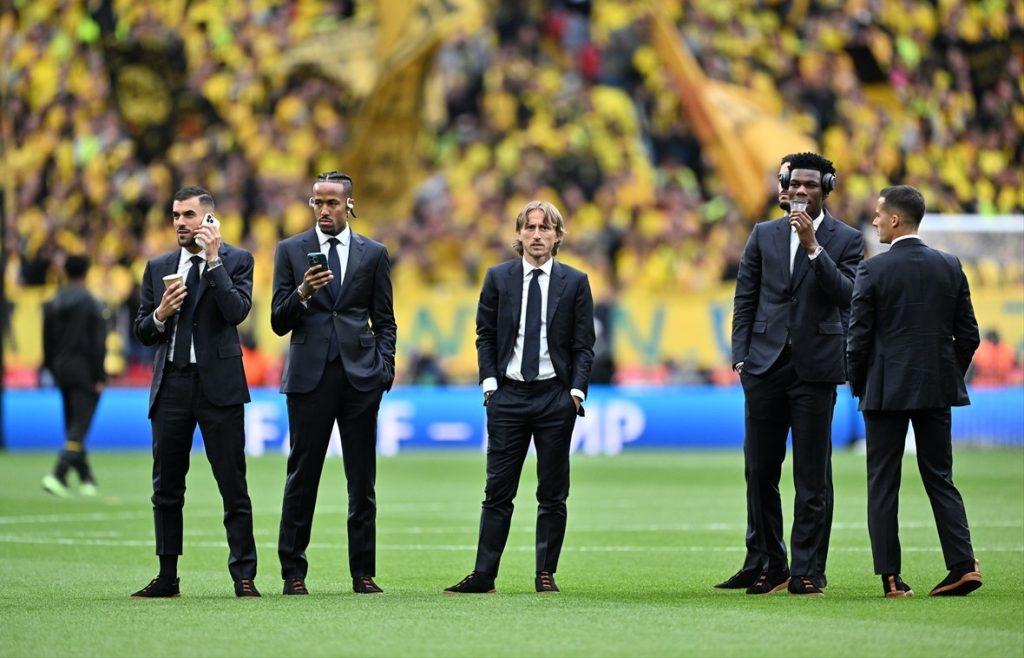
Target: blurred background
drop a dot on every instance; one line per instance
(656, 127)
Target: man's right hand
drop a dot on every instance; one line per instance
(315, 279)
(174, 297)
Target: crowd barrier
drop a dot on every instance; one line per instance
(414, 418)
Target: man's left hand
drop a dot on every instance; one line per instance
(211, 234)
(804, 230)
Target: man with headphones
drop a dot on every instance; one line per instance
(332, 292)
(790, 315)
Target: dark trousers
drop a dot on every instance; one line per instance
(311, 419)
(886, 436)
(79, 408)
(777, 402)
(516, 412)
(181, 404)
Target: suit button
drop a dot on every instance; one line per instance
(793, 300)
(334, 314)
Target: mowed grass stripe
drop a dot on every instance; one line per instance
(648, 535)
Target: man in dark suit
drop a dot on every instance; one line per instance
(198, 378)
(340, 363)
(912, 338)
(74, 348)
(535, 347)
(789, 320)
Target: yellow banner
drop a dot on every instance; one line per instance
(744, 141)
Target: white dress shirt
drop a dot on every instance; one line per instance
(184, 265)
(515, 364)
(344, 239)
(794, 240)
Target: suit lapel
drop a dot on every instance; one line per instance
(781, 240)
(203, 285)
(555, 287)
(356, 249)
(515, 294)
(826, 231)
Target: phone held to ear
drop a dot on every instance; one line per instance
(211, 221)
(317, 258)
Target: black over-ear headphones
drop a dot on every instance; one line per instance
(828, 181)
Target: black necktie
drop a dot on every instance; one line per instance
(531, 341)
(183, 339)
(334, 262)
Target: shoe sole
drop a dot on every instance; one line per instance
(141, 598)
(778, 588)
(808, 594)
(490, 591)
(967, 584)
(899, 595)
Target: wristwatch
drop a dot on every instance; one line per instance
(216, 262)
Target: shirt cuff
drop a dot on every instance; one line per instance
(490, 385)
(817, 252)
(577, 393)
(160, 326)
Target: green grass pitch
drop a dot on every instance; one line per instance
(649, 533)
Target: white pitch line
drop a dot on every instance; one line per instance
(83, 542)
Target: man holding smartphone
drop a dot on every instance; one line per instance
(332, 292)
(192, 301)
(790, 315)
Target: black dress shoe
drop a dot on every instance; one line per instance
(894, 588)
(245, 588)
(962, 580)
(742, 579)
(804, 586)
(770, 582)
(365, 585)
(474, 583)
(545, 583)
(159, 588)
(820, 581)
(295, 587)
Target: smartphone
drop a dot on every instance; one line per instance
(211, 220)
(317, 258)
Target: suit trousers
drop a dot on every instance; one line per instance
(79, 407)
(778, 401)
(311, 419)
(180, 405)
(886, 437)
(517, 411)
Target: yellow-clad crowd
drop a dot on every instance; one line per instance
(555, 100)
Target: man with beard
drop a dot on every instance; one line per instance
(198, 378)
(341, 360)
(790, 315)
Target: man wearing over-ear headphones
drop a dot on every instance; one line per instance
(332, 291)
(790, 316)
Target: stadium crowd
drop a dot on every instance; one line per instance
(557, 100)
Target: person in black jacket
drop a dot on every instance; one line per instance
(74, 348)
(535, 348)
(198, 378)
(790, 316)
(912, 338)
(341, 360)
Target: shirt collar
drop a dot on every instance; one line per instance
(528, 267)
(342, 237)
(186, 256)
(904, 237)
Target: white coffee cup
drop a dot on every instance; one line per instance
(171, 279)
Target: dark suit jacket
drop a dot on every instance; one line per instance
(363, 316)
(811, 307)
(222, 303)
(913, 332)
(570, 322)
(74, 338)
